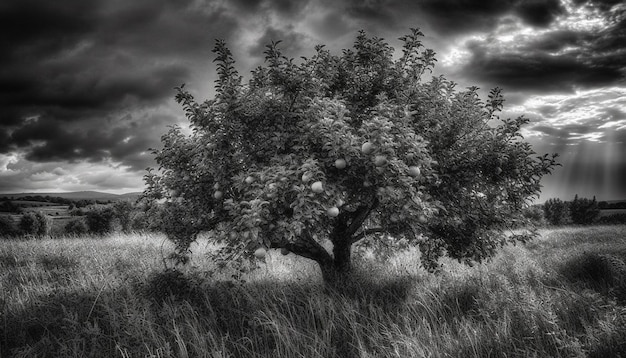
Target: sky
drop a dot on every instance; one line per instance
(87, 86)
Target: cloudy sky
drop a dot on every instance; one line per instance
(86, 86)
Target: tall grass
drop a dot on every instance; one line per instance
(560, 296)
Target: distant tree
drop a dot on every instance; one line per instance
(535, 215)
(45, 223)
(343, 148)
(7, 226)
(35, 223)
(584, 211)
(122, 210)
(9, 207)
(76, 227)
(99, 219)
(556, 211)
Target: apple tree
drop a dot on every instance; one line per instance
(312, 156)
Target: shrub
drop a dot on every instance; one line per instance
(76, 227)
(584, 211)
(7, 226)
(535, 215)
(45, 223)
(556, 211)
(100, 220)
(122, 211)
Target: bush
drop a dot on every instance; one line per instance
(613, 219)
(122, 211)
(45, 224)
(76, 227)
(100, 220)
(535, 215)
(7, 226)
(556, 211)
(28, 224)
(584, 211)
(35, 223)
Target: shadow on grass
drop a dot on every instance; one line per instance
(42, 328)
(256, 315)
(602, 272)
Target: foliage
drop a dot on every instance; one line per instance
(76, 227)
(556, 211)
(584, 211)
(619, 218)
(9, 207)
(535, 215)
(122, 211)
(343, 148)
(7, 226)
(35, 223)
(99, 219)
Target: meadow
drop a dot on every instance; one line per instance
(562, 295)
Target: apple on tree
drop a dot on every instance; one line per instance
(317, 187)
(340, 163)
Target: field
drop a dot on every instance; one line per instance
(563, 295)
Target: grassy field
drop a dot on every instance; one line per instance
(563, 295)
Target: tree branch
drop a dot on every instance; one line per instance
(365, 233)
(360, 216)
(306, 247)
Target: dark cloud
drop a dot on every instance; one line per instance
(539, 12)
(50, 140)
(560, 60)
(75, 68)
(541, 71)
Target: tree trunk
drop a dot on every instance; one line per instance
(337, 270)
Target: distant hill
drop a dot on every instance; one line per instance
(78, 195)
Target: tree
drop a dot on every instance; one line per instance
(122, 211)
(584, 211)
(76, 227)
(35, 223)
(7, 226)
(28, 224)
(343, 148)
(99, 219)
(556, 211)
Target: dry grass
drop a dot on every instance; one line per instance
(560, 296)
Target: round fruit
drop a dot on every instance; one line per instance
(340, 202)
(498, 170)
(414, 171)
(249, 180)
(340, 163)
(260, 253)
(174, 193)
(216, 186)
(284, 251)
(367, 148)
(367, 184)
(218, 195)
(380, 160)
(422, 219)
(306, 177)
(317, 187)
(332, 212)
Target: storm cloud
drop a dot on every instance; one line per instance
(86, 86)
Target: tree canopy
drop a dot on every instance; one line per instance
(341, 148)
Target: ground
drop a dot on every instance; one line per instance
(563, 295)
